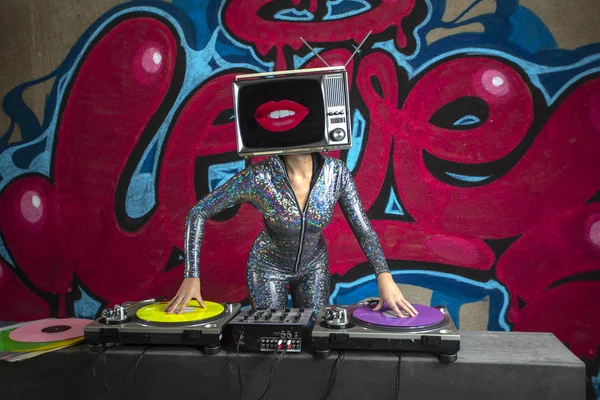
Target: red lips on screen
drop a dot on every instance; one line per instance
(280, 116)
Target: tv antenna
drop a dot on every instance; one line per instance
(313, 50)
(351, 57)
(356, 51)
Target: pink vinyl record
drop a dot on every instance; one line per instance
(50, 330)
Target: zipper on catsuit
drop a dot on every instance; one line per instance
(303, 227)
(302, 216)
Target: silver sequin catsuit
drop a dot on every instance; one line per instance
(291, 250)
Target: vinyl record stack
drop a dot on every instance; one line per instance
(27, 340)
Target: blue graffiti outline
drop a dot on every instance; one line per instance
(299, 61)
(347, 14)
(468, 178)
(5, 256)
(466, 120)
(358, 139)
(303, 15)
(393, 206)
(596, 384)
(86, 306)
(223, 172)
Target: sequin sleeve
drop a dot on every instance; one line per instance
(238, 189)
(359, 222)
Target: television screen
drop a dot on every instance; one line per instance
(281, 113)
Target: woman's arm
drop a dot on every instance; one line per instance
(367, 238)
(359, 222)
(236, 190)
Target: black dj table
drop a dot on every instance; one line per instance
(490, 365)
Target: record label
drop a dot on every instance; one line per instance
(56, 329)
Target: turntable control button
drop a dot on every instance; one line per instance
(339, 338)
(287, 310)
(192, 335)
(431, 340)
(301, 310)
(109, 332)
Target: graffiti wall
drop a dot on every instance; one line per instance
(476, 129)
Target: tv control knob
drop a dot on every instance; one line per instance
(337, 134)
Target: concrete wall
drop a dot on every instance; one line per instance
(477, 151)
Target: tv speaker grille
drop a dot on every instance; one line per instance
(334, 91)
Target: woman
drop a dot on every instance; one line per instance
(296, 195)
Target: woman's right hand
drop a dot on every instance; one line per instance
(189, 289)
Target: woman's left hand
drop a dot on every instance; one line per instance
(390, 294)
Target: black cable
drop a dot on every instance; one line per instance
(333, 377)
(272, 373)
(137, 362)
(238, 365)
(275, 372)
(398, 375)
(272, 362)
(273, 367)
(105, 383)
(94, 364)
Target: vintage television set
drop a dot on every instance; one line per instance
(294, 111)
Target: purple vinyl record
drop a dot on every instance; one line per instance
(387, 317)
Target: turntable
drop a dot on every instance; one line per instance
(358, 327)
(146, 322)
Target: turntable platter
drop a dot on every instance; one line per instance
(192, 313)
(386, 318)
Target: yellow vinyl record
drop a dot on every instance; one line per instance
(191, 313)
